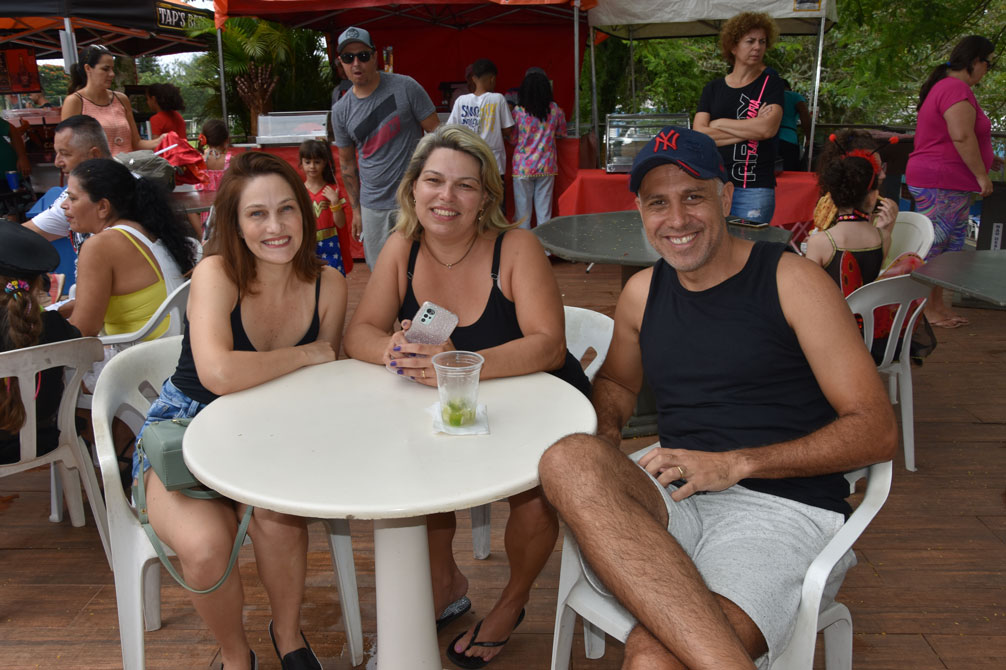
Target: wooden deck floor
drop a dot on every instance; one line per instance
(929, 590)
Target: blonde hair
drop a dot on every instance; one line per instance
(457, 138)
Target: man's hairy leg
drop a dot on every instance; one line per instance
(620, 522)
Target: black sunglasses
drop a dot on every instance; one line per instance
(990, 64)
(363, 56)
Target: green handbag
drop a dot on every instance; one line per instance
(161, 446)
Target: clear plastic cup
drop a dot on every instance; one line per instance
(458, 383)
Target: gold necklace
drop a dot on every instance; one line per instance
(451, 265)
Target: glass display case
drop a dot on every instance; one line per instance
(626, 134)
(290, 127)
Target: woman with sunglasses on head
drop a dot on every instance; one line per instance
(91, 94)
(261, 305)
(952, 157)
(454, 247)
(850, 172)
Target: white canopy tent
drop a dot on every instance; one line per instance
(652, 19)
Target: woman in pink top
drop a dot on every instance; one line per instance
(91, 93)
(952, 156)
(538, 121)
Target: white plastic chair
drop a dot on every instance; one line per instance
(585, 330)
(911, 232)
(900, 291)
(70, 459)
(129, 380)
(602, 614)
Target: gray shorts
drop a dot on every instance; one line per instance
(376, 225)
(754, 550)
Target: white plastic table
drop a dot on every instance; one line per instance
(350, 440)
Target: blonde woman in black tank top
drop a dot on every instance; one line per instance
(442, 250)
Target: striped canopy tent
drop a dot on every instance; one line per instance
(58, 28)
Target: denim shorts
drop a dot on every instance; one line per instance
(753, 204)
(171, 404)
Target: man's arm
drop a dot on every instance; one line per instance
(620, 377)
(430, 123)
(865, 431)
(351, 180)
(30, 225)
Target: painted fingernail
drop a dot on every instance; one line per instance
(393, 363)
(401, 371)
(396, 348)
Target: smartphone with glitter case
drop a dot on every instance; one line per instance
(432, 324)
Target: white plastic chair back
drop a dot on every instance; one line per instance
(585, 330)
(70, 458)
(602, 613)
(911, 232)
(173, 306)
(133, 379)
(901, 291)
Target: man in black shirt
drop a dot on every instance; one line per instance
(765, 394)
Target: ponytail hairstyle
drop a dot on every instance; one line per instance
(320, 150)
(213, 134)
(962, 57)
(140, 200)
(90, 57)
(20, 327)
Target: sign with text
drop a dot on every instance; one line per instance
(178, 18)
(18, 71)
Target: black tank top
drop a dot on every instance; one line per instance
(186, 379)
(497, 325)
(728, 372)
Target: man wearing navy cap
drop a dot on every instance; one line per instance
(377, 125)
(765, 395)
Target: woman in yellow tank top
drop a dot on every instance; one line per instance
(137, 254)
(91, 93)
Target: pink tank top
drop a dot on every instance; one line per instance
(112, 118)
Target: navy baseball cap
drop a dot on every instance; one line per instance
(354, 34)
(690, 150)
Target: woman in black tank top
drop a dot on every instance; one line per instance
(453, 247)
(261, 305)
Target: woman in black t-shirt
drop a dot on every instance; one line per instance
(742, 112)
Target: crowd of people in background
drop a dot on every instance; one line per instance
(269, 296)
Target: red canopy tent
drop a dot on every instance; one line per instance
(434, 41)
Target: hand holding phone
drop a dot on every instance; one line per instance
(432, 324)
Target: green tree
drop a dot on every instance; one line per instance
(54, 82)
(259, 54)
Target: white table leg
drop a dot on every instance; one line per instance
(406, 630)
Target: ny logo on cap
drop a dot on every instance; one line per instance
(352, 32)
(668, 139)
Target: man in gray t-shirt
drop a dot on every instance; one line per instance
(376, 124)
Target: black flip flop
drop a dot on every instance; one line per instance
(459, 659)
(299, 659)
(453, 611)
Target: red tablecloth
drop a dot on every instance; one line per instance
(597, 191)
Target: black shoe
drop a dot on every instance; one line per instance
(298, 659)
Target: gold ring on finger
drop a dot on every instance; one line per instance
(681, 471)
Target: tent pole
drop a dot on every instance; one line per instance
(576, 63)
(220, 63)
(69, 46)
(593, 99)
(817, 86)
(632, 69)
